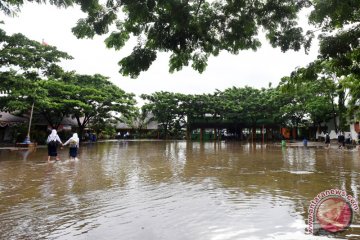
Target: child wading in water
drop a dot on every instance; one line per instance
(74, 145)
(52, 141)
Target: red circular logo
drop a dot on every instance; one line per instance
(334, 214)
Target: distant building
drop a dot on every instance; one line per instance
(67, 123)
(7, 123)
(351, 129)
(138, 127)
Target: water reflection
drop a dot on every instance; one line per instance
(170, 190)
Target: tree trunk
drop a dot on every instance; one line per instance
(166, 132)
(334, 115)
(342, 110)
(81, 132)
(81, 128)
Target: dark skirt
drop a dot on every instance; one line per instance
(73, 152)
(52, 150)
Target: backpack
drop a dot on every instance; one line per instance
(72, 144)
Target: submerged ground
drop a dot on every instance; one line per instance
(171, 190)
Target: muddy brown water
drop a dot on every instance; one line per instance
(171, 190)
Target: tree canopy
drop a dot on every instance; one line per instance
(194, 30)
(24, 64)
(191, 30)
(94, 97)
(31, 75)
(168, 111)
(32, 58)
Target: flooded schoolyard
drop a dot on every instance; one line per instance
(171, 190)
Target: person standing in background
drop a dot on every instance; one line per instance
(341, 140)
(327, 140)
(349, 139)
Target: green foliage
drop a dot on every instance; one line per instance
(33, 58)
(353, 84)
(104, 128)
(333, 14)
(317, 93)
(24, 62)
(343, 49)
(94, 97)
(117, 39)
(38, 136)
(21, 92)
(194, 30)
(246, 106)
(191, 30)
(168, 111)
(139, 60)
(139, 120)
(55, 105)
(296, 102)
(55, 94)
(19, 133)
(340, 51)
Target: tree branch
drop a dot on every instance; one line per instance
(200, 3)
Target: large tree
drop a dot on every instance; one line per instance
(168, 110)
(246, 105)
(337, 66)
(57, 103)
(28, 57)
(139, 120)
(191, 30)
(30, 75)
(354, 103)
(93, 97)
(24, 65)
(316, 95)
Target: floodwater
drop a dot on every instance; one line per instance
(171, 190)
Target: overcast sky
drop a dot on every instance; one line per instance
(250, 68)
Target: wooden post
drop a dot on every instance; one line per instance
(27, 139)
(201, 134)
(262, 131)
(252, 135)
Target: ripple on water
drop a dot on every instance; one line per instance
(167, 191)
(300, 172)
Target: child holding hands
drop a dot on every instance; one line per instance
(74, 145)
